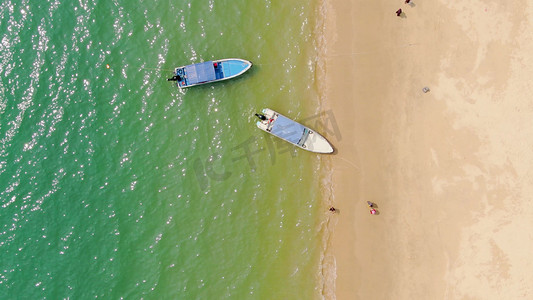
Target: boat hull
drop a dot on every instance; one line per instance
(293, 132)
(210, 71)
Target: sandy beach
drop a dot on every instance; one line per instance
(450, 169)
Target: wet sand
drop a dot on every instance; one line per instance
(451, 169)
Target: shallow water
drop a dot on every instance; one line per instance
(114, 183)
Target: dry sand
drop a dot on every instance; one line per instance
(451, 170)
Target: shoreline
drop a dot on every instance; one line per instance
(447, 168)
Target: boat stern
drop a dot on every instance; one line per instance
(181, 78)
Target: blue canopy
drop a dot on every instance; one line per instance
(202, 72)
(287, 129)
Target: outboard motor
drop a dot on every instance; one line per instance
(174, 78)
(261, 117)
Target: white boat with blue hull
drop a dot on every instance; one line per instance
(210, 71)
(292, 132)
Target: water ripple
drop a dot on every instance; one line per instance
(107, 182)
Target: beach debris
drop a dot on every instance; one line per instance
(399, 12)
(425, 89)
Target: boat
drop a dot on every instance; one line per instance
(292, 132)
(209, 71)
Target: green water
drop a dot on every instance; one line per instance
(116, 184)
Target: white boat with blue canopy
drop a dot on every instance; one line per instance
(210, 71)
(292, 132)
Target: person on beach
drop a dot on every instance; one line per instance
(332, 209)
(370, 204)
(407, 1)
(399, 12)
(372, 211)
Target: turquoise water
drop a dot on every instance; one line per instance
(116, 184)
